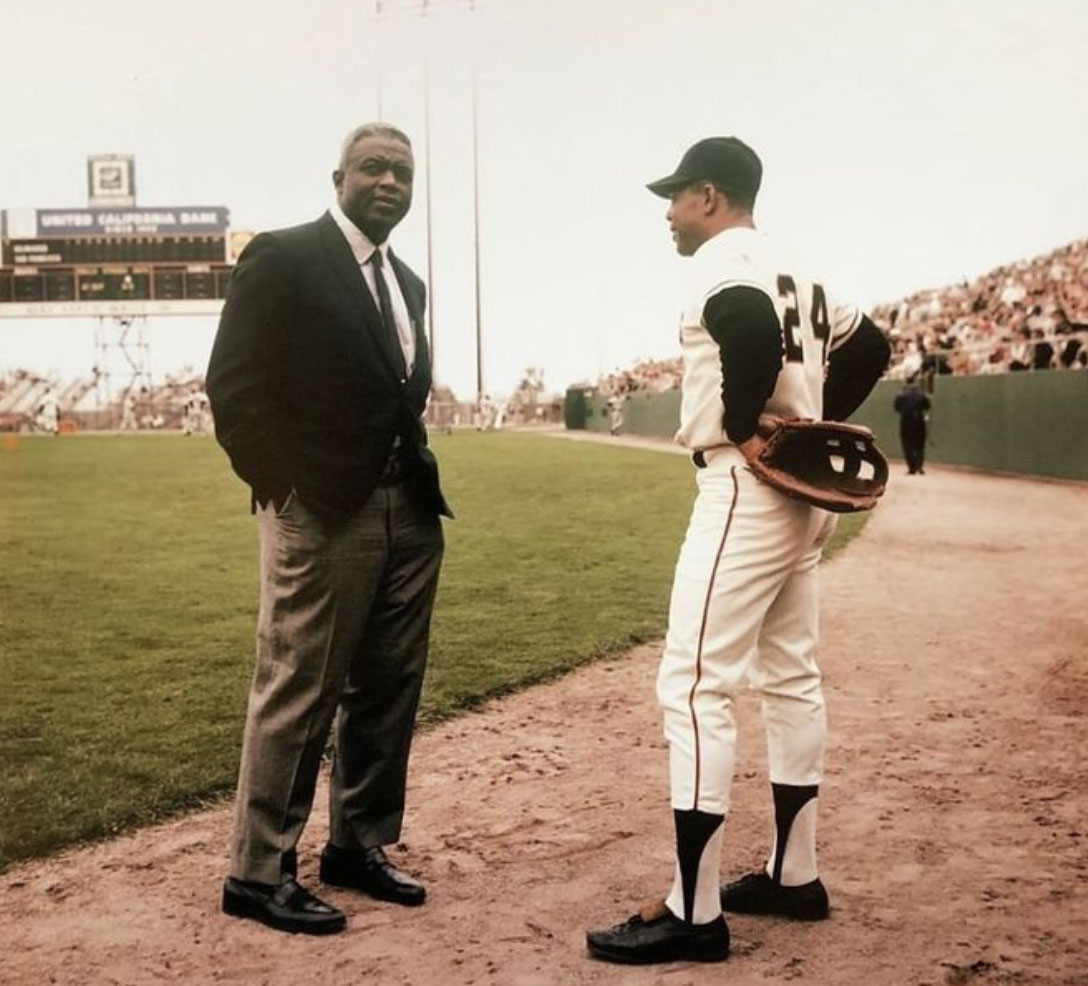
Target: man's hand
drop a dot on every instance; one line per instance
(751, 447)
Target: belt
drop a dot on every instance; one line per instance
(702, 457)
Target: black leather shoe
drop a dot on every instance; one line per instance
(655, 934)
(370, 871)
(757, 893)
(288, 907)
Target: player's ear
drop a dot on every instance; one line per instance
(710, 195)
(337, 179)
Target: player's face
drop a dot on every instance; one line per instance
(374, 185)
(686, 215)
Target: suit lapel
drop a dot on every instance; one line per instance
(340, 258)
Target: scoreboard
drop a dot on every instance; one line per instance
(135, 261)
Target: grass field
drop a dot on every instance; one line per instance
(128, 598)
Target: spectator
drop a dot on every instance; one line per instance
(1042, 354)
(1070, 351)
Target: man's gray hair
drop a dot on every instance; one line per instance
(372, 130)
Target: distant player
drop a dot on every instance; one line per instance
(759, 337)
(47, 418)
(128, 413)
(484, 414)
(196, 413)
(615, 414)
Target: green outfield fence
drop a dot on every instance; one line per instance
(1035, 422)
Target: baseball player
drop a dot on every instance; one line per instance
(128, 413)
(759, 338)
(48, 413)
(615, 413)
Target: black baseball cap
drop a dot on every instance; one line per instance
(726, 161)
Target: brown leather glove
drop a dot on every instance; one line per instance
(829, 464)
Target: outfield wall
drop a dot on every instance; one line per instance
(1034, 422)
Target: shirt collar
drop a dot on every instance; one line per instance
(738, 234)
(361, 246)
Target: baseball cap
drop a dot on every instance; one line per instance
(726, 161)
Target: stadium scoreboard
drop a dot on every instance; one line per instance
(115, 261)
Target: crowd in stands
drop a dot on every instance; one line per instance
(25, 397)
(654, 376)
(1029, 315)
(31, 402)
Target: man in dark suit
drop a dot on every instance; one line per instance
(912, 405)
(318, 379)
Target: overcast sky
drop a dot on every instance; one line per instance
(905, 145)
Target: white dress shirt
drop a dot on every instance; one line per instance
(362, 249)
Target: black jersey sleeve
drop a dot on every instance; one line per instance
(744, 324)
(853, 370)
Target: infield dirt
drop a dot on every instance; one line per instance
(953, 827)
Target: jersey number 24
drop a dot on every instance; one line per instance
(792, 318)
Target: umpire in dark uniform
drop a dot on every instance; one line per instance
(318, 379)
(912, 405)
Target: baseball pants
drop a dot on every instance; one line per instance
(744, 611)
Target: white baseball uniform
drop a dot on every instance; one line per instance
(756, 337)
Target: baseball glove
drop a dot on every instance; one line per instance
(831, 465)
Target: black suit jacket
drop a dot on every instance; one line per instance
(306, 385)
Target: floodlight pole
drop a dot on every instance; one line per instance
(424, 9)
(427, 168)
(476, 229)
(379, 9)
(378, 55)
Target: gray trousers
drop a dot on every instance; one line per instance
(342, 633)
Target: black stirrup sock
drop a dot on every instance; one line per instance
(693, 831)
(789, 799)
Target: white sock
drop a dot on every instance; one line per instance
(799, 856)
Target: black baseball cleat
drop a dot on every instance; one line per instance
(757, 893)
(656, 935)
(286, 907)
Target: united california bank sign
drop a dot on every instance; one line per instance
(173, 221)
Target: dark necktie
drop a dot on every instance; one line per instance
(385, 303)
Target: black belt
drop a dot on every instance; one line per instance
(699, 455)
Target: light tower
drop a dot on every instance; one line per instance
(398, 9)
